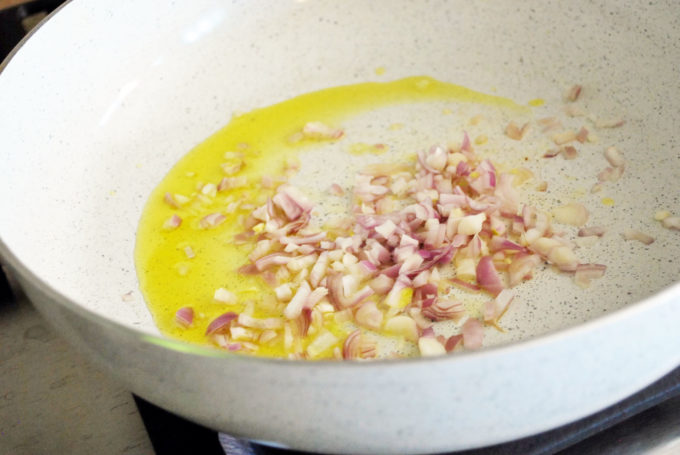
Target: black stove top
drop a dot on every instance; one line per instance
(593, 434)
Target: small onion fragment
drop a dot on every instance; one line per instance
(430, 347)
(221, 323)
(473, 334)
(488, 277)
(172, 223)
(185, 316)
(671, 222)
(633, 234)
(574, 214)
(587, 272)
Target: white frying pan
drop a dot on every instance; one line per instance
(100, 102)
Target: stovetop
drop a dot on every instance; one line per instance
(646, 422)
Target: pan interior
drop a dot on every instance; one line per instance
(95, 117)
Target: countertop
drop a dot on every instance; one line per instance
(52, 400)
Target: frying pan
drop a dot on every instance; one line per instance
(102, 99)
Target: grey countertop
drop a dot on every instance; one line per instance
(52, 400)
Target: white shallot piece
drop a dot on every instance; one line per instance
(633, 234)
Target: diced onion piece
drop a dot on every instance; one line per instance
(221, 323)
(466, 269)
(614, 157)
(549, 123)
(574, 214)
(587, 241)
(170, 200)
(316, 296)
(257, 323)
(232, 166)
(671, 222)
(582, 135)
(172, 223)
(267, 336)
(283, 293)
(661, 215)
(609, 123)
(271, 260)
(319, 130)
(185, 316)
(322, 343)
(573, 93)
(368, 315)
(632, 234)
(494, 309)
(337, 190)
(189, 252)
(515, 132)
(487, 276)
(471, 224)
(381, 284)
(225, 296)
(592, 230)
(522, 268)
(587, 272)
(564, 137)
(551, 153)
(569, 152)
(430, 347)
(209, 189)
(399, 296)
(212, 220)
(294, 307)
(452, 342)
(444, 309)
(574, 110)
(544, 245)
(238, 333)
(386, 229)
(473, 334)
(402, 326)
(563, 257)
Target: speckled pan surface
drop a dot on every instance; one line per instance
(102, 100)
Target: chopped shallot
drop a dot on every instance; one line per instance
(224, 296)
(632, 234)
(318, 130)
(430, 347)
(564, 137)
(515, 132)
(384, 267)
(185, 316)
(592, 230)
(614, 157)
(172, 223)
(221, 323)
(574, 214)
(671, 222)
(573, 93)
(473, 334)
(587, 272)
(212, 220)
